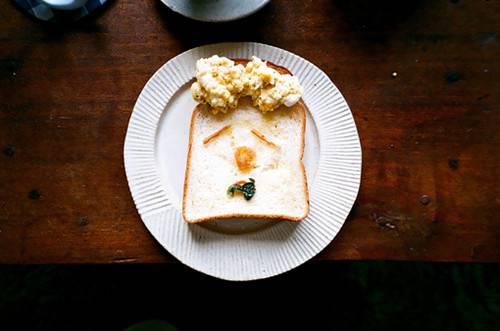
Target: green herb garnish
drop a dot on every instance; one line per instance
(248, 189)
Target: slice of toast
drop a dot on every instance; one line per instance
(276, 140)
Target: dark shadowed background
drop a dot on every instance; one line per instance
(316, 296)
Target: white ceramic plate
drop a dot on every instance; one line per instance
(215, 10)
(155, 156)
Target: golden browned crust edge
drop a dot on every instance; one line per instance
(188, 162)
(303, 113)
(258, 216)
(302, 110)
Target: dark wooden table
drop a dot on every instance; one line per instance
(421, 77)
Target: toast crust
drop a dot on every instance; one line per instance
(198, 108)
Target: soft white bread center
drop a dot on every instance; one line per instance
(278, 173)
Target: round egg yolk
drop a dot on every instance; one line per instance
(245, 158)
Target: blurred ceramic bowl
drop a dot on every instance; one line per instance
(215, 10)
(65, 4)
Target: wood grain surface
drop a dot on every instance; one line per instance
(421, 77)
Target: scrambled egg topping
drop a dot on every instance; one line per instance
(220, 83)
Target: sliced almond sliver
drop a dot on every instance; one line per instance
(215, 134)
(263, 138)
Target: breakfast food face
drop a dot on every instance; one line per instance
(246, 140)
(246, 143)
